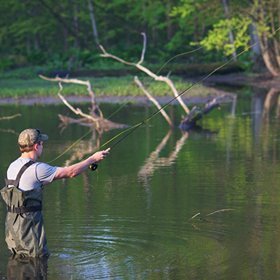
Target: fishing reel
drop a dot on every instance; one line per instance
(93, 166)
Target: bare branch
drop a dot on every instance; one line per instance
(149, 73)
(66, 81)
(144, 48)
(76, 111)
(79, 82)
(10, 117)
(151, 98)
(106, 54)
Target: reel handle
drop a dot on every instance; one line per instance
(93, 166)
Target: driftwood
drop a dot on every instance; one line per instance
(192, 116)
(104, 123)
(197, 113)
(6, 118)
(144, 69)
(94, 118)
(162, 111)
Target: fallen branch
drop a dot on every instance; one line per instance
(197, 113)
(94, 118)
(95, 107)
(152, 99)
(147, 71)
(9, 117)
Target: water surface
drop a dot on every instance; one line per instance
(164, 204)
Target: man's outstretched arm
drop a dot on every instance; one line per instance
(77, 168)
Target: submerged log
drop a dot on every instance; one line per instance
(101, 123)
(197, 113)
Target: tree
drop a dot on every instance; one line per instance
(266, 17)
(259, 15)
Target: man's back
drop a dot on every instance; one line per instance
(34, 177)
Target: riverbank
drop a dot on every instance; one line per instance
(263, 80)
(123, 90)
(106, 89)
(139, 100)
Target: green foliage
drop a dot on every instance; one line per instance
(60, 36)
(218, 37)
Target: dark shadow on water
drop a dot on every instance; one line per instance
(27, 268)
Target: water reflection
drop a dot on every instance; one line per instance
(9, 130)
(263, 106)
(100, 226)
(82, 148)
(27, 268)
(154, 161)
(271, 99)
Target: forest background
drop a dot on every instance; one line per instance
(194, 36)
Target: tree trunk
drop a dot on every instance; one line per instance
(268, 54)
(256, 48)
(231, 37)
(274, 19)
(169, 27)
(76, 24)
(93, 22)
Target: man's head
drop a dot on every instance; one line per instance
(29, 137)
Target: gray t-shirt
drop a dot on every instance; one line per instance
(34, 176)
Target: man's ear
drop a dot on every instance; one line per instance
(35, 147)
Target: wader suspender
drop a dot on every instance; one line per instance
(15, 183)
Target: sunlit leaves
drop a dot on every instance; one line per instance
(218, 37)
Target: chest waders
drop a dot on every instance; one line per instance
(25, 233)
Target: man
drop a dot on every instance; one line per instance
(25, 234)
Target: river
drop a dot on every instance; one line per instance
(164, 204)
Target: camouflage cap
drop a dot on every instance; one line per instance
(30, 136)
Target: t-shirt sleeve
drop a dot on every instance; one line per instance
(45, 173)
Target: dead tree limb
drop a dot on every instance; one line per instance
(152, 99)
(6, 118)
(142, 68)
(94, 118)
(95, 107)
(197, 113)
(79, 112)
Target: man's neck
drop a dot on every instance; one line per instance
(30, 155)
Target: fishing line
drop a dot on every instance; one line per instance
(132, 129)
(157, 72)
(71, 146)
(180, 54)
(119, 109)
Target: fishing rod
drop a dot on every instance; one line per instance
(94, 166)
(124, 134)
(130, 130)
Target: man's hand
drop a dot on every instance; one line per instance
(98, 156)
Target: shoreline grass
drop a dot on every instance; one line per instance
(103, 86)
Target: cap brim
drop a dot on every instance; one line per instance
(43, 137)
